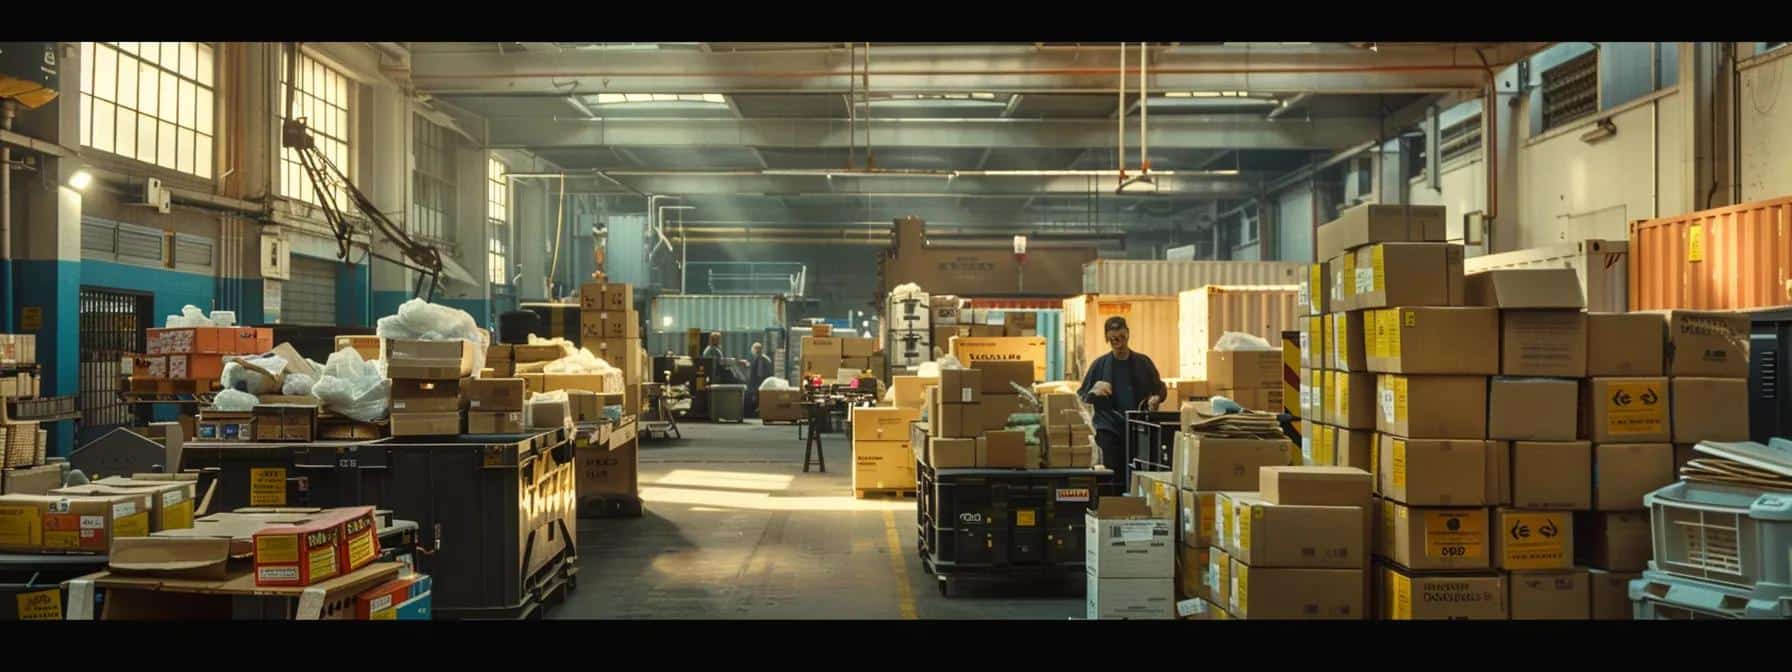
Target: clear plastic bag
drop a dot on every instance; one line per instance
(263, 375)
(928, 370)
(190, 316)
(774, 383)
(353, 387)
(421, 320)
(234, 401)
(1238, 340)
(950, 362)
(298, 385)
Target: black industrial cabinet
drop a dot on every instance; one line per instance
(1769, 406)
(1004, 523)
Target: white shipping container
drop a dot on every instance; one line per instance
(1168, 278)
(1603, 267)
(1206, 314)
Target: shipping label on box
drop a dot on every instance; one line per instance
(1543, 343)
(1631, 410)
(1435, 538)
(1707, 343)
(1533, 539)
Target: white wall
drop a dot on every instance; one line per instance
(1766, 131)
(1462, 189)
(1294, 223)
(1570, 190)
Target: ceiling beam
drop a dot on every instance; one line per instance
(720, 184)
(1180, 132)
(1317, 68)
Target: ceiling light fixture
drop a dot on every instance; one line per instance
(80, 179)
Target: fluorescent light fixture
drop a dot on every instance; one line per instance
(1602, 129)
(623, 98)
(80, 180)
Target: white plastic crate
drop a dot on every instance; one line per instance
(1729, 535)
(1660, 596)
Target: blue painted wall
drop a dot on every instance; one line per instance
(352, 306)
(55, 287)
(172, 289)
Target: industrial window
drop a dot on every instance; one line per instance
(1459, 139)
(1571, 90)
(432, 180)
(497, 215)
(151, 102)
(320, 98)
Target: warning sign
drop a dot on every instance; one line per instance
(267, 487)
(42, 605)
(1635, 408)
(1534, 539)
(1455, 534)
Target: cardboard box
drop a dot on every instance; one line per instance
(851, 346)
(1434, 472)
(976, 349)
(1159, 492)
(1195, 515)
(1414, 596)
(446, 423)
(1312, 340)
(605, 296)
(1267, 399)
(541, 413)
(1706, 343)
(329, 544)
(1435, 538)
(1624, 472)
(1328, 325)
(196, 367)
(1284, 535)
(1002, 450)
(1191, 572)
(494, 422)
(285, 422)
(953, 421)
(883, 465)
(1533, 409)
(827, 366)
(1314, 292)
(818, 346)
(1613, 540)
(1354, 448)
(609, 324)
(1209, 464)
(428, 360)
(39, 480)
(171, 502)
(1179, 390)
(1130, 598)
(1312, 386)
(944, 453)
(1626, 344)
(1709, 409)
(1625, 410)
(1610, 593)
(1432, 340)
(1499, 473)
(187, 558)
(590, 382)
(587, 406)
(1453, 407)
(998, 377)
(882, 423)
(611, 472)
(1408, 274)
(1375, 223)
(1530, 539)
(1315, 486)
(855, 364)
(1342, 271)
(961, 386)
(406, 599)
(1235, 369)
(371, 347)
(1123, 541)
(534, 382)
(71, 523)
(414, 395)
(18, 348)
(1291, 593)
(1230, 505)
(1219, 576)
(1550, 595)
(994, 410)
(1526, 288)
(1552, 475)
(529, 354)
(495, 394)
(1543, 343)
(1350, 400)
(910, 391)
(1349, 351)
(215, 425)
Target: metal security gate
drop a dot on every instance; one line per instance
(112, 328)
(310, 296)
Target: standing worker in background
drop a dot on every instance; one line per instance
(759, 369)
(1117, 382)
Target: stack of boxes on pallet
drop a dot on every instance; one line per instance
(22, 443)
(1208, 474)
(882, 457)
(191, 359)
(1130, 560)
(968, 412)
(89, 518)
(909, 320)
(611, 329)
(1253, 378)
(840, 358)
(427, 381)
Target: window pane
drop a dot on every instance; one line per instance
(147, 86)
(171, 55)
(202, 156)
(127, 82)
(165, 145)
(204, 108)
(187, 116)
(207, 69)
(189, 60)
(170, 90)
(105, 73)
(146, 139)
(86, 119)
(127, 133)
(104, 116)
(127, 47)
(86, 69)
(184, 156)
(148, 51)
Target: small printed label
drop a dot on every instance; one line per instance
(123, 509)
(1135, 531)
(1244, 528)
(171, 497)
(1695, 243)
(1365, 280)
(93, 522)
(398, 404)
(44, 605)
(1191, 607)
(1455, 535)
(1378, 269)
(267, 487)
(1399, 473)
(380, 603)
(965, 394)
(1306, 450)
(277, 573)
(1024, 518)
(1534, 540)
(1634, 408)
(1387, 400)
(1402, 598)
(473, 404)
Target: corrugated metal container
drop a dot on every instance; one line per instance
(1207, 313)
(1721, 259)
(1051, 328)
(716, 312)
(1167, 278)
(1152, 320)
(1603, 267)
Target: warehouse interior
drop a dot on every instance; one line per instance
(293, 285)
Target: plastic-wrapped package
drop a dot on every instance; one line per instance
(298, 385)
(906, 289)
(566, 346)
(928, 370)
(1238, 340)
(190, 316)
(255, 375)
(234, 401)
(774, 383)
(421, 320)
(224, 318)
(948, 362)
(353, 387)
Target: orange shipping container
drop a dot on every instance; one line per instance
(1207, 313)
(1151, 319)
(1730, 258)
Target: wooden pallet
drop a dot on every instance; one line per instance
(883, 493)
(777, 423)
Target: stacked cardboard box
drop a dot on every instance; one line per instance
(21, 445)
(881, 454)
(1205, 472)
(611, 329)
(495, 405)
(1130, 561)
(427, 378)
(1298, 548)
(823, 356)
(860, 355)
(1069, 439)
(199, 353)
(909, 320)
(1253, 378)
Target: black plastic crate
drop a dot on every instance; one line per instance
(994, 518)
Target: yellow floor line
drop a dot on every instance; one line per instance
(905, 594)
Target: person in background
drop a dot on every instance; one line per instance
(1117, 382)
(759, 369)
(714, 351)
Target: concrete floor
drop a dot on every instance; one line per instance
(732, 528)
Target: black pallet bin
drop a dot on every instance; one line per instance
(322, 474)
(1004, 524)
(1769, 404)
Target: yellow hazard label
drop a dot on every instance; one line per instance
(1695, 243)
(1402, 596)
(1534, 539)
(1635, 408)
(267, 487)
(20, 526)
(1024, 518)
(277, 549)
(1378, 268)
(1399, 468)
(361, 549)
(1455, 534)
(41, 605)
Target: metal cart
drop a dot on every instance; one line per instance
(1008, 525)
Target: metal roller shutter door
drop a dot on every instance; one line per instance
(310, 296)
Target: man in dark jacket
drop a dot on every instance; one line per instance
(1117, 382)
(758, 369)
